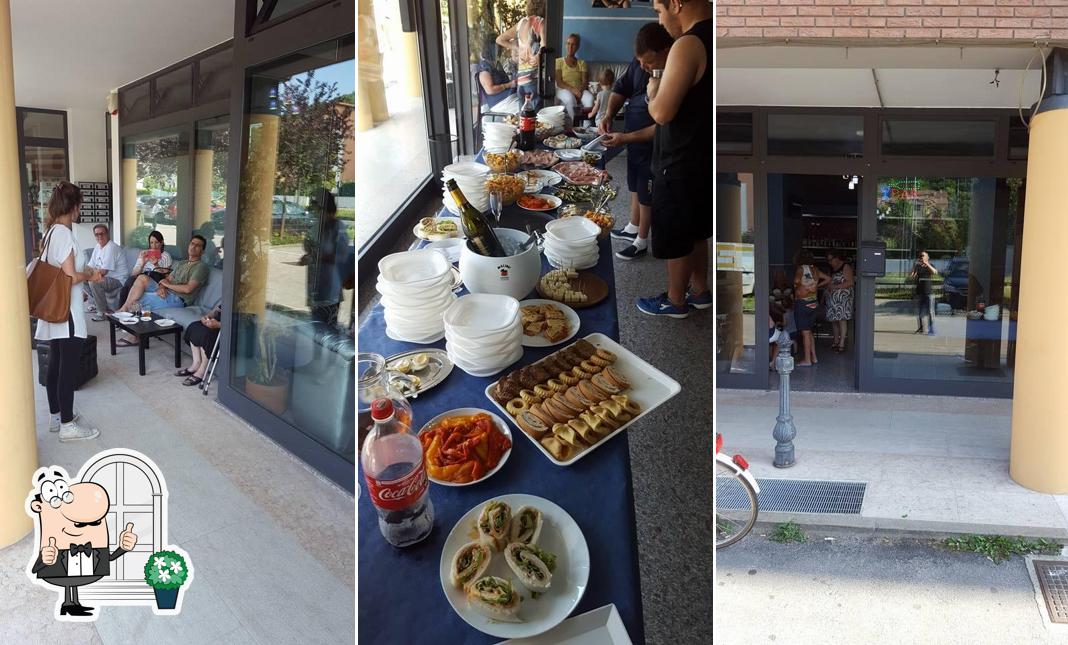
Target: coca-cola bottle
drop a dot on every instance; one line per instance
(528, 123)
(395, 471)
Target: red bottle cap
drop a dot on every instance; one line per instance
(381, 409)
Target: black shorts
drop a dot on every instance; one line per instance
(640, 174)
(805, 314)
(682, 213)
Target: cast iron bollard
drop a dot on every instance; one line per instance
(784, 431)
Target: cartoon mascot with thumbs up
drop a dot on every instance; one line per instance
(74, 536)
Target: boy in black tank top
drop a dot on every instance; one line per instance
(683, 147)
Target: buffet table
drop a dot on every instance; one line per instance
(400, 594)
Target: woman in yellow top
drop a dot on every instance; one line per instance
(572, 79)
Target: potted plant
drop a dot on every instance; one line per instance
(266, 383)
(166, 572)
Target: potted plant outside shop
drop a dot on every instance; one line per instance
(266, 384)
(166, 572)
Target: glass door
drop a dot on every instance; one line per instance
(42, 138)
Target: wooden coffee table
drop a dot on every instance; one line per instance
(144, 330)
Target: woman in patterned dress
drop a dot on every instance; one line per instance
(839, 302)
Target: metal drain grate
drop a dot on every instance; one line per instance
(799, 496)
(1053, 578)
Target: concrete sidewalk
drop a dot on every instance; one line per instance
(937, 464)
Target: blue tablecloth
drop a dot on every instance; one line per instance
(400, 596)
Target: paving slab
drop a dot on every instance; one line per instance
(931, 463)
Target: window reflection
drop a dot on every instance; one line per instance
(735, 274)
(294, 253)
(159, 169)
(953, 316)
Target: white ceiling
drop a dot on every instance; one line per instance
(71, 53)
(922, 77)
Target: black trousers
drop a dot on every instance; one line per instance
(63, 357)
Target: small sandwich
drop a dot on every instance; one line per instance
(526, 525)
(531, 566)
(494, 598)
(469, 563)
(493, 525)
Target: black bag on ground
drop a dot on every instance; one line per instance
(87, 364)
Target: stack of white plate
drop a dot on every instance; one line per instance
(416, 288)
(497, 137)
(471, 179)
(483, 333)
(571, 243)
(553, 116)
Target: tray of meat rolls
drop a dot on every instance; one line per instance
(574, 400)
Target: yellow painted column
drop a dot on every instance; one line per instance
(18, 437)
(130, 216)
(202, 169)
(729, 283)
(371, 84)
(257, 195)
(1039, 449)
(411, 81)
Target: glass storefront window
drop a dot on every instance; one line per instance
(734, 133)
(293, 345)
(958, 321)
(906, 137)
(736, 327)
(209, 191)
(163, 172)
(815, 135)
(390, 117)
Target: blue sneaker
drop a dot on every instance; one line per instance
(703, 301)
(661, 306)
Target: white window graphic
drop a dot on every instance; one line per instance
(136, 492)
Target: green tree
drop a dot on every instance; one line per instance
(312, 133)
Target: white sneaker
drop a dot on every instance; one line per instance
(54, 424)
(74, 432)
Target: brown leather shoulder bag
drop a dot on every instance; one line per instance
(49, 288)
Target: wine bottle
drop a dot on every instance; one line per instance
(480, 235)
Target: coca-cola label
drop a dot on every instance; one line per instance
(399, 493)
(528, 123)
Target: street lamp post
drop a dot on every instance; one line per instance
(784, 431)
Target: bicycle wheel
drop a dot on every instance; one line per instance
(736, 506)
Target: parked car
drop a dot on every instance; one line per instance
(168, 213)
(298, 219)
(955, 285)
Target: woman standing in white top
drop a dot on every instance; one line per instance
(65, 338)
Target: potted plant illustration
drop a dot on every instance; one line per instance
(166, 572)
(266, 383)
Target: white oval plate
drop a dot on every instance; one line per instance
(573, 321)
(569, 154)
(559, 535)
(466, 412)
(146, 318)
(552, 199)
(548, 176)
(418, 231)
(164, 322)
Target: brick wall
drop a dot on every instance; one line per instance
(926, 20)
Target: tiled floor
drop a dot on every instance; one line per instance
(271, 541)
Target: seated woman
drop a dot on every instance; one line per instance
(572, 78)
(154, 262)
(494, 85)
(201, 337)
